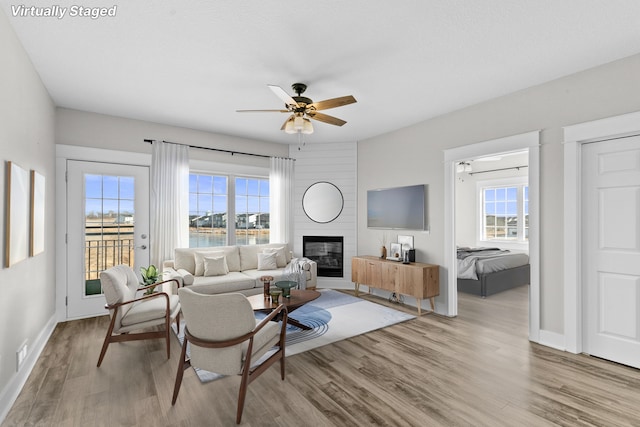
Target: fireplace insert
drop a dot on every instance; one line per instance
(327, 252)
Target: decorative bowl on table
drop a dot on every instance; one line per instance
(275, 294)
(286, 287)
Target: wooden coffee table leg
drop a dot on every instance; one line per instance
(297, 324)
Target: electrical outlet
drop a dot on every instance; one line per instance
(21, 354)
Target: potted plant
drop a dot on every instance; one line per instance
(149, 277)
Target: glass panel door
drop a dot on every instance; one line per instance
(108, 224)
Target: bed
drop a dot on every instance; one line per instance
(487, 271)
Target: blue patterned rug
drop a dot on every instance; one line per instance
(334, 316)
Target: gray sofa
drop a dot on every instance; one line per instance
(205, 269)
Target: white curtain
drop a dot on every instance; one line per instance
(169, 200)
(281, 201)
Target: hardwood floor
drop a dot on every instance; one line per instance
(474, 370)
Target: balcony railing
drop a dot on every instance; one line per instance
(102, 254)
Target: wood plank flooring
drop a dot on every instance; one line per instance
(477, 369)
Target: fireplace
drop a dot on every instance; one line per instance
(327, 252)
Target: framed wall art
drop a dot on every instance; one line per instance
(36, 244)
(17, 217)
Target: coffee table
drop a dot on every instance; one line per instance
(298, 298)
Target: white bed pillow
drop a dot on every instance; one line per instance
(281, 255)
(215, 266)
(267, 261)
(199, 260)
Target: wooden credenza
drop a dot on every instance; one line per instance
(415, 279)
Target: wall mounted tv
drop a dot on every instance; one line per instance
(397, 208)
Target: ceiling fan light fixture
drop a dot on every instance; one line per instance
(302, 109)
(288, 127)
(307, 127)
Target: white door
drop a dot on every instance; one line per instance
(107, 225)
(611, 250)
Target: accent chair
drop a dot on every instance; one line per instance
(226, 338)
(130, 312)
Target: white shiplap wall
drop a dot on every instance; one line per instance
(335, 163)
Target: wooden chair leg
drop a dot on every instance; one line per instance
(282, 344)
(182, 365)
(107, 338)
(244, 384)
(168, 336)
(282, 366)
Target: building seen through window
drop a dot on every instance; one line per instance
(209, 208)
(505, 213)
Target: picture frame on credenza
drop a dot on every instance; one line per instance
(395, 250)
(406, 242)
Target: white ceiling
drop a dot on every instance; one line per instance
(192, 63)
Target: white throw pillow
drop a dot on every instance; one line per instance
(281, 255)
(215, 266)
(199, 258)
(267, 261)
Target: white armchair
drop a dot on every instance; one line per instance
(130, 313)
(226, 338)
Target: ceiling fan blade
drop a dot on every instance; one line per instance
(333, 103)
(262, 111)
(326, 118)
(284, 96)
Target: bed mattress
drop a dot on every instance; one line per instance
(504, 262)
(484, 261)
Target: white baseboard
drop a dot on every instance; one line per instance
(10, 393)
(552, 339)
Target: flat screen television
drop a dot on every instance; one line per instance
(397, 208)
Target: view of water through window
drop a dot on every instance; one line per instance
(209, 200)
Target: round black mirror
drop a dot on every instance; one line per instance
(322, 202)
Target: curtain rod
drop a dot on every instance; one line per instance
(219, 150)
(502, 169)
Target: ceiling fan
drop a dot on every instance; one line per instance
(302, 109)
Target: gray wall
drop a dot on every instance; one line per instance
(27, 289)
(116, 133)
(414, 155)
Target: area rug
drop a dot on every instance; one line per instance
(334, 316)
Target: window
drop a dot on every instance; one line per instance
(109, 226)
(210, 198)
(504, 212)
(252, 211)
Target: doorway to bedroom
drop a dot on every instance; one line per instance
(492, 234)
(465, 159)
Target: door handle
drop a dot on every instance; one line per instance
(143, 246)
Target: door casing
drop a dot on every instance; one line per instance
(70, 152)
(574, 137)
